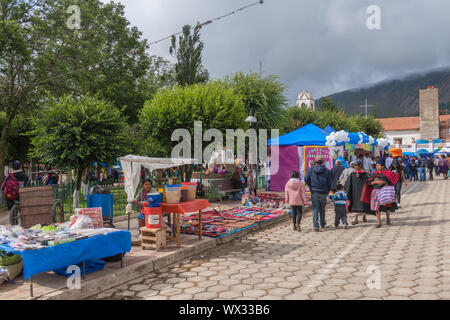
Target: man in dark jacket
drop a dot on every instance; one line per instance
(430, 166)
(318, 178)
(335, 174)
(21, 177)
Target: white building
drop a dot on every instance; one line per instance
(404, 132)
(306, 98)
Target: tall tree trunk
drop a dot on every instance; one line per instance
(3, 145)
(76, 193)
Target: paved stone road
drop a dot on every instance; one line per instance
(412, 257)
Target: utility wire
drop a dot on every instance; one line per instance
(97, 65)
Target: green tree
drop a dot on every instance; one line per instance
(263, 98)
(161, 75)
(328, 104)
(374, 113)
(295, 118)
(18, 142)
(73, 133)
(39, 52)
(105, 56)
(215, 104)
(188, 52)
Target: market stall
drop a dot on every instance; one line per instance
(51, 248)
(131, 166)
(296, 151)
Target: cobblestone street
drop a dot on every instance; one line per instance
(412, 257)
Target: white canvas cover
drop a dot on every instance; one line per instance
(131, 167)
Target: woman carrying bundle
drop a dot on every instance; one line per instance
(383, 193)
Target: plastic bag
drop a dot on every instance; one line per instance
(82, 222)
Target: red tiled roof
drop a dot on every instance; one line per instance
(407, 123)
(400, 124)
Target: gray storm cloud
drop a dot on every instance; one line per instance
(321, 46)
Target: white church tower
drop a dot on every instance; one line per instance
(306, 98)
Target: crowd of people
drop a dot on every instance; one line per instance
(369, 186)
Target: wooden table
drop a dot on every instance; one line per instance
(182, 208)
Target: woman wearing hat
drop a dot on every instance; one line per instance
(355, 188)
(381, 178)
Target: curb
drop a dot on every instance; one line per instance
(126, 274)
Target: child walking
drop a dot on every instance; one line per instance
(295, 194)
(340, 200)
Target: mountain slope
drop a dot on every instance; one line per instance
(395, 97)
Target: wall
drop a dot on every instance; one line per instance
(429, 113)
(407, 135)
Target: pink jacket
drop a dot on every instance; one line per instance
(295, 193)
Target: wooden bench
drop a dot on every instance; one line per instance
(224, 186)
(36, 206)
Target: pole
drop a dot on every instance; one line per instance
(260, 69)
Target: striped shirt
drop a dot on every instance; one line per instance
(340, 197)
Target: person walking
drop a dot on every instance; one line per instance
(335, 174)
(355, 192)
(346, 173)
(318, 178)
(19, 180)
(413, 166)
(422, 168)
(398, 167)
(443, 166)
(295, 194)
(340, 210)
(430, 166)
(388, 161)
(407, 170)
(380, 179)
(436, 165)
(367, 162)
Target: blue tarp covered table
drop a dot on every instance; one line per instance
(64, 255)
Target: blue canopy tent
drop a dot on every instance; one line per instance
(309, 135)
(408, 154)
(288, 160)
(329, 129)
(422, 151)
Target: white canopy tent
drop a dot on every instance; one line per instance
(444, 150)
(131, 167)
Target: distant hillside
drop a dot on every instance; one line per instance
(395, 97)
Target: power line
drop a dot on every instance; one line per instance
(97, 65)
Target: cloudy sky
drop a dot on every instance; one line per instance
(323, 46)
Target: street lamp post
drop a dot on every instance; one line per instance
(252, 120)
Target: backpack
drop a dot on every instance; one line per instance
(200, 190)
(10, 188)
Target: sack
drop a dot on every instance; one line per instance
(386, 195)
(7, 259)
(10, 188)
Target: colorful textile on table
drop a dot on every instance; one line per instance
(216, 224)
